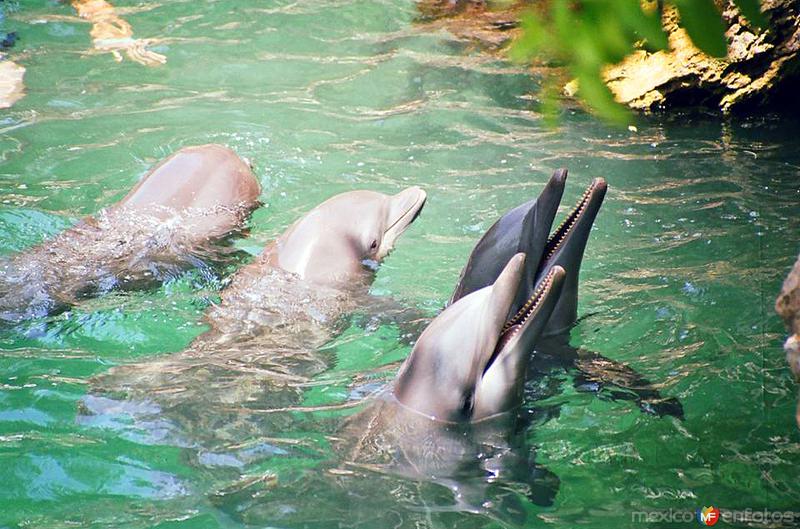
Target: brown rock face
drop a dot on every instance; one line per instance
(759, 65)
(490, 25)
(788, 307)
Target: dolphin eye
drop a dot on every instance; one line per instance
(374, 244)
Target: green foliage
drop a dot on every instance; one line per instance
(588, 35)
(702, 22)
(751, 10)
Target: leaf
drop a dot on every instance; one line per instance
(704, 25)
(606, 30)
(532, 41)
(646, 25)
(751, 10)
(597, 95)
(551, 103)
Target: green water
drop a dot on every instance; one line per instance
(679, 279)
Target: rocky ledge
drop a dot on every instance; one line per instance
(788, 307)
(762, 67)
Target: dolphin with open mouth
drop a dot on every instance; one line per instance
(450, 412)
(527, 229)
(470, 363)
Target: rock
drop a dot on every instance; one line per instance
(761, 66)
(490, 25)
(758, 67)
(788, 307)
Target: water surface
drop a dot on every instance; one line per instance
(679, 279)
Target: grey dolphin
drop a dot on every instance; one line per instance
(175, 214)
(262, 348)
(451, 412)
(525, 229)
(339, 239)
(470, 362)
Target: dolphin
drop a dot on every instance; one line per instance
(527, 228)
(345, 236)
(470, 362)
(171, 220)
(327, 257)
(263, 344)
(449, 416)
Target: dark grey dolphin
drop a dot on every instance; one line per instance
(526, 229)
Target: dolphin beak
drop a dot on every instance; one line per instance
(498, 306)
(503, 377)
(536, 231)
(565, 248)
(490, 327)
(523, 328)
(573, 233)
(404, 208)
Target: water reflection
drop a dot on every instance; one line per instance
(111, 33)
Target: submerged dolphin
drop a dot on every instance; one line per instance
(171, 219)
(262, 348)
(526, 228)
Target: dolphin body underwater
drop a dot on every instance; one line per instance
(175, 218)
(262, 348)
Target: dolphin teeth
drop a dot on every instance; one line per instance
(515, 324)
(558, 236)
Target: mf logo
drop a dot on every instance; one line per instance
(708, 515)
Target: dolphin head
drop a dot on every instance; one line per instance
(469, 364)
(211, 188)
(339, 239)
(525, 229)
